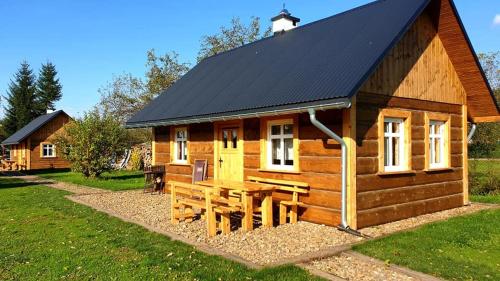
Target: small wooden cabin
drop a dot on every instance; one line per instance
(32, 147)
(397, 81)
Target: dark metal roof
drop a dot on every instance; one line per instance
(32, 127)
(316, 63)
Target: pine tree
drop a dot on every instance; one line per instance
(21, 100)
(48, 88)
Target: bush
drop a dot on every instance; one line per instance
(91, 143)
(483, 183)
(136, 161)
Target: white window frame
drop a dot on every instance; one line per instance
(50, 147)
(432, 146)
(282, 138)
(402, 142)
(184, 145)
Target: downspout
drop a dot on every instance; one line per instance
(471, 133)
(312, 116)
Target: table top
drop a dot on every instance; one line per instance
(238, 185)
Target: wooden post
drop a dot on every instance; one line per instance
(465, 157)
(210, 215)
(174, 212)
(247, 200)
(153, 148)
(349, 136)
(225, 222)
(283, 214)
(267, 209)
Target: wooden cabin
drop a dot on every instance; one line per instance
(32, 147)
(396, 81)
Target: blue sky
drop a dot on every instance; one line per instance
(92, 40)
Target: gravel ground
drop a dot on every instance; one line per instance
(384, 229)
(352, 268)
(262, 246)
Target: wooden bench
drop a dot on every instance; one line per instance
(295, 188)
(185, 197)
(223, 206)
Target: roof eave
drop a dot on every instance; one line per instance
(255, 113)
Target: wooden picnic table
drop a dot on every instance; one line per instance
(247, 190)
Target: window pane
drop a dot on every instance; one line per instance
(225, 137)
(276, 148)
(437, 154)
(288, 151)
(276, 130)
(179, 150)
(396, 127)
(386, 152)
(235, 138)
(288, 129)
(395, 151)
(387, 127)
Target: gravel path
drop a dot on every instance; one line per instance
(262, 246)
(352, 268)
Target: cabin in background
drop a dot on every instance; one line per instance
(32, 147)
(396, 81)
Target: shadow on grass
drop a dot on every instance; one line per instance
(48, 171)
(123, 177)
(17, 184)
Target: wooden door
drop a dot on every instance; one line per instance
(229, 152)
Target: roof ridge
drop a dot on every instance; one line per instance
(297, 28)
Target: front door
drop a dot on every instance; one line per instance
(229, 153)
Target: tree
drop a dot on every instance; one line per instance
(487, 136)
(91, 143)
(48, 88)
(232, 37)
(162, 72)
(21, 100)
(123, 96)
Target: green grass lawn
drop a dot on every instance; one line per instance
(461, 248)
(47, 237)
(115, 180)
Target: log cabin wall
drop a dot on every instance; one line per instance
(47, 133)
(319, 165)
(319, 161)
(200, 146)
(416, 76)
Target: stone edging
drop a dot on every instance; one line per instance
(404, 270)
(320, 273)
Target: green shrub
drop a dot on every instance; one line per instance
(91, 143)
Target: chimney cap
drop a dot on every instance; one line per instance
(285, 14)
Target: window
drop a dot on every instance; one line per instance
(437, 152)
(280, 145)
(394, 137)
(48, 150)
(230, 138)
(394, 141)
(180, 145)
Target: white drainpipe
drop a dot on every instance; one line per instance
(330, 133)
(471, 133)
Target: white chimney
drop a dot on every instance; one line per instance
(284, 21)
(49, 111)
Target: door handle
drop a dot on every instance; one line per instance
(220, 162)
